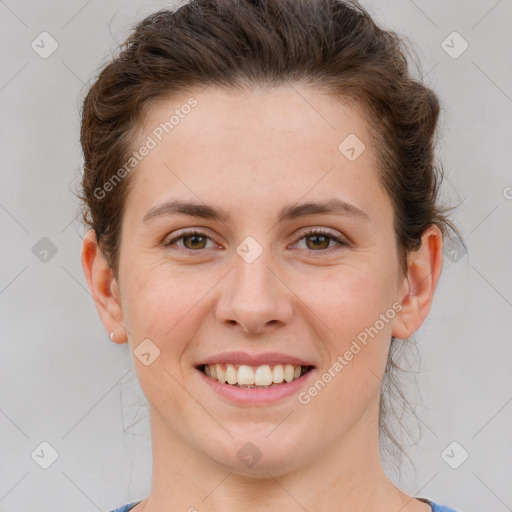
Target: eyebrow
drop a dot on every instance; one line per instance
(204, 211)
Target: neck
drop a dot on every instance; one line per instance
(347, 477)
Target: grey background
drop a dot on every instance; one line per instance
(62, 381)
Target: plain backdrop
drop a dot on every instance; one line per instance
(65, 384)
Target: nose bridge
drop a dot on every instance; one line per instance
(253, 279)
(253, 297)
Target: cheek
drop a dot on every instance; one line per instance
(163, 305)
(160, 300)
(350, 302)
(348, 299)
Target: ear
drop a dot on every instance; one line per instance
(424, 269)
(103, 286)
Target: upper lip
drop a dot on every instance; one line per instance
(269, 358)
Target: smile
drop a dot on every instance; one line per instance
(253, 377)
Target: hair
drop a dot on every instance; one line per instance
(332, 46)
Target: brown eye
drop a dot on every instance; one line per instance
(194, 241)
(191, 242)
(318, 241)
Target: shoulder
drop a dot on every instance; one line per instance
(435, 507)
(440, 508)
(125, 508)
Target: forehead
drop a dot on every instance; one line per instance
(289, 109)
(290, 138)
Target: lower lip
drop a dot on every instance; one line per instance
(254, 396)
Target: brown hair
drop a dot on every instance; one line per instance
(330, 45)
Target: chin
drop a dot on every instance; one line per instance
(257, 456)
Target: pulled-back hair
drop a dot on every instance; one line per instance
(332, 46)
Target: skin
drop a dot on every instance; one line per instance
(252, 153)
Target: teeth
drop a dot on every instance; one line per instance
(249, 376)
(231, 374)
(262, 376)
(278, 374)
(245, 375)
(288, 373)
(221, 374)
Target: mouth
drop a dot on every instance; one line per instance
(254, 377)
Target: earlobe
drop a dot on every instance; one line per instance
(424, 269)
(103, 286)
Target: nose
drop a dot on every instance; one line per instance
(253, 297)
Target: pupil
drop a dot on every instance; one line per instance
(316, 238)
(194, 238)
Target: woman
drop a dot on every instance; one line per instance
(260, 185)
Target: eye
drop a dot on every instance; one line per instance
(192, 241)
(319, 240)
(316, 240)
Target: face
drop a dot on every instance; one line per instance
(258, 271)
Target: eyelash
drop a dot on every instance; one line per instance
(315, 231)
